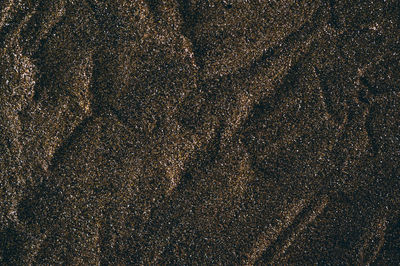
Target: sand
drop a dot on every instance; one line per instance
(199, 132)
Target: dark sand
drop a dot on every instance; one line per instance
(199, 132)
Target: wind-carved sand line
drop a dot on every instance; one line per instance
(25, 79)
(315, 212)
(50, 20)
(54, 143)
(267, 237)
(258, 88)
(15, 35)
(246, 100)
(372, 242)
(275, 69)
(179, 146)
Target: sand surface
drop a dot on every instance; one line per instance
(204, 132)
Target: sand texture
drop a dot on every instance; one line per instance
(199, 132)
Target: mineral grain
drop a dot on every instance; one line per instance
(207, 132)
